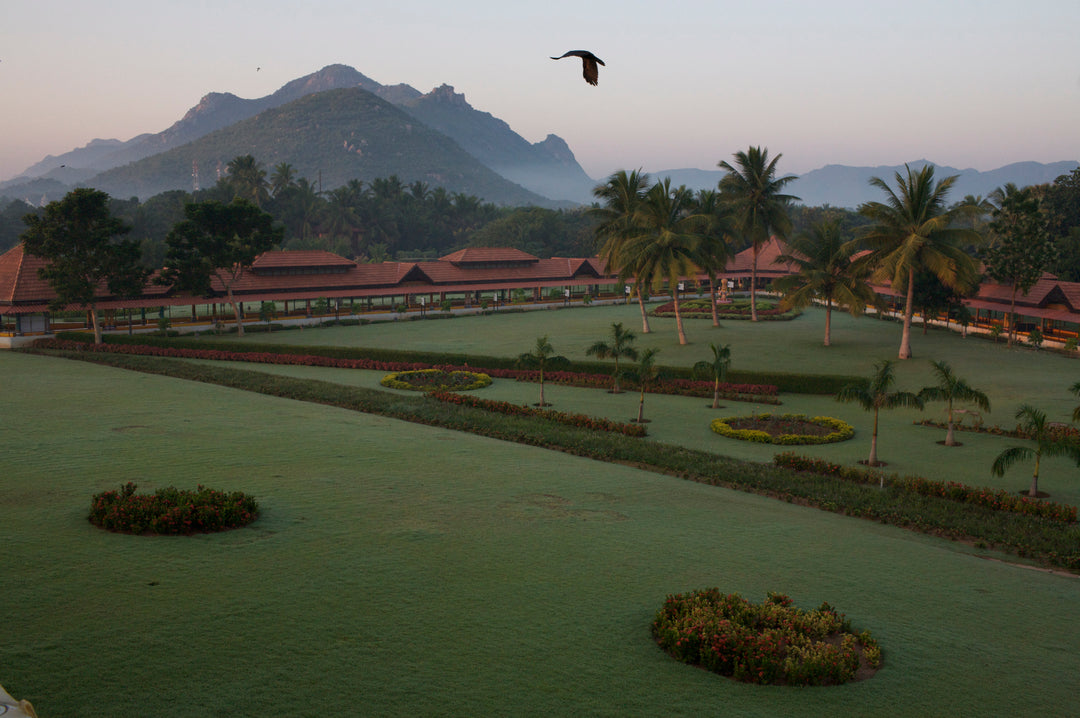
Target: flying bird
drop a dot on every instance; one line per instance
(589, 61)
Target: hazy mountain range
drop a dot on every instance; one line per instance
(337, 124)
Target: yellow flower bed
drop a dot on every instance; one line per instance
(838, 430)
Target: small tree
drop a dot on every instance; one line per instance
(80, 240)
(647, 372)
(715, 369)
(950, 389)
(218, 241)
(542, 356)
(266, 313)
(621, 339)
(874, 396)
(1048, 442)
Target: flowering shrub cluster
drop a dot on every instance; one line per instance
(562, 417)
(786, 429)
(1060, 431)
(735, 310)
(996, 499)
(760, 393)
(171, 510)
(773, 642)
(438, 379)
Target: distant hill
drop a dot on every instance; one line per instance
(547, 168)
(332, 137)
(844, 186)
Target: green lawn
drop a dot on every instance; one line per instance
(407, 570)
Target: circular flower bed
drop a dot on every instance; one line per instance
(784, 429)
(436, 380)
(773, 642)
(171, 510)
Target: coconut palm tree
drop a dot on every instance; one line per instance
(620, 346)
(283, 177)
(542, 357)
(717, 369)
(248, 180)
(620, 197)
(1048, 442)
(824, 271)
(666, 242)
(647, 371)
(913, 230)
(714, 249)
(951, 389)
(754, 193)
(875, 396)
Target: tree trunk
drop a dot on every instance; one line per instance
(828, 321)
(644, 316)
(542, 404)
(716, 394)
(872, 461)
(678, 316)
(909, 311)
(641, 406)
(615, 389)
(712, 301)
(97, 324)
(1012, 318)
(753, 286)
(1033, 492)
(236, 312)
(950, 439)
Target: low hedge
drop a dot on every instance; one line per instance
(769, 643)
(1048, 542)
(171, 510)
(841, 430)
(562, 417)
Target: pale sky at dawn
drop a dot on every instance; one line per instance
(970, 84)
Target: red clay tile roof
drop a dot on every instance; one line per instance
(285, 259)
(483, 255)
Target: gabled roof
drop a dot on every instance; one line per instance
(299, 259)
(488, 255)
(19, 281)
(766, 259)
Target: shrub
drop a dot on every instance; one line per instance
(171, 510)
(773, 642)
(562, 417)
(783, 425)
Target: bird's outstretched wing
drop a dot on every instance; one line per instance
(589, 62)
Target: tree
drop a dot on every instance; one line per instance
(714, 249)
(824, 272)
(1020, 248)
(875, 396)
(620, 346)
(666, 241)
(542, 356)
(912, 230)
(647, 371)
(282, 178)
(79, 239)
(1048, 442)
(218, 242)
(621, 197)
(952, 389)
(715, 369)
(247, 179)
(759, 208)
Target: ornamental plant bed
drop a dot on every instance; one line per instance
(771, 643)
(785, 429)
(171, 510)
(561, 417)
(699, 309)
(439, 379)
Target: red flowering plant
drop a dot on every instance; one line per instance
(561, 417)
(171, 510)
(773, 642)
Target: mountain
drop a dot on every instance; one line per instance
(330, 137)
(547, 168)
(845, 186)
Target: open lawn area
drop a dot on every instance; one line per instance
(400, 569)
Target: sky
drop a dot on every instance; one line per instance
(964, 83)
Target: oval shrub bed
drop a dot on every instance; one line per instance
(785, 429)
(770, 643)
(436, 380)
(171, 510)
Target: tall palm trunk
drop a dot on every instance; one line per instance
(909, 312)
(644, 315)
(712, 302)
(1012, 318)
(753, 286)
(97, 324)
(678, 315)
(828, 321)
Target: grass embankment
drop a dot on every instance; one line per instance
(1045, 541)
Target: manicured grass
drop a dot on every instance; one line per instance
(405, 570)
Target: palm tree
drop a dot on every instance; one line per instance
(1048, 442)
(717, 369)
(824, 271)
(714, 249)
(875, 396)
(621, 339)
(666, 242)
(950, 389)
(620, 196)
(647, 372)
(282, 178)
(542, 356)
(913, 230)
(248, 180)
(754, 193)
